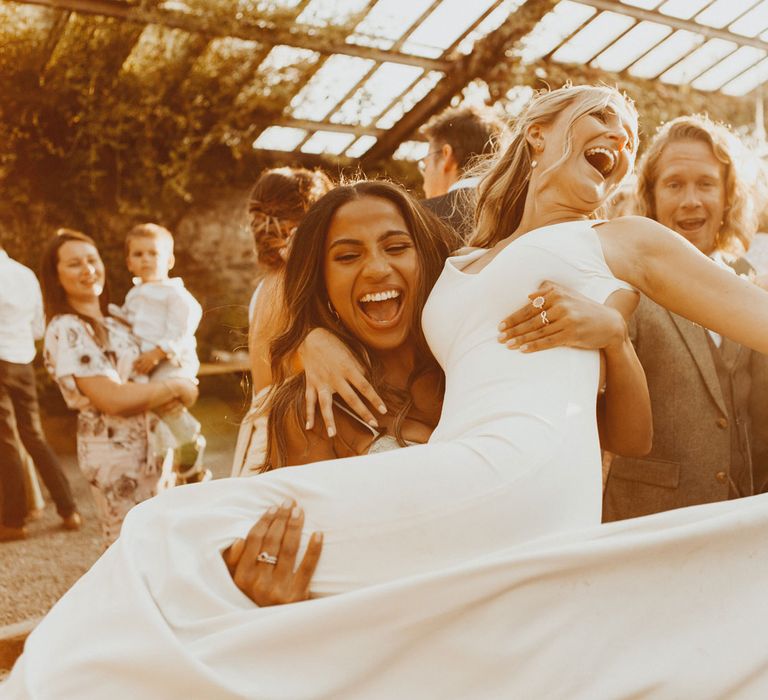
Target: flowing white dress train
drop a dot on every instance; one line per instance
(470, 567)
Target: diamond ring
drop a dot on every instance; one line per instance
(538, 302)
(544, 318)
(267, 558)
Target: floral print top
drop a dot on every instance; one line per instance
(71, 350)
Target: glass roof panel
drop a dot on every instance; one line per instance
(156, 48)
(321, 13)
(277, 75)
(645, 4)
(338, 75)
(18, 17)
(698, 61)
(747, 81)
(23, 31)
(590, 40)
(234, 8)
(330, 142)
(280, 138)
(361, 146)
(387, 21)
(284, 63)
(631, 46)
(683, 9)
(491, 23)
(227, 60)
(728, 68)
(754, 22)
(407, 101)
(411, 150)
(666, 53)
(555, 26)
(387, 82)
(446, 23)
(722, 12)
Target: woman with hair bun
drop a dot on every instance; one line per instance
(276, 204)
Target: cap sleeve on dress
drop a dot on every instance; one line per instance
(600, 288)
(71, 351)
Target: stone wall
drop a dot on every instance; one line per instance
(214, 254)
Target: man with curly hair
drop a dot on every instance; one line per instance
(709, 395)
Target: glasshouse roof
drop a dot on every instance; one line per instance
(356, 78)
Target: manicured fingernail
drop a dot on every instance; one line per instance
(501, 337)
(373, 423)
(307, 426)
(331, 432)
(512, 343)
(296, 513)
(382, 409)
(523, 348)
(272, 510)
(287, 503)
(317, 536)
(502, 326)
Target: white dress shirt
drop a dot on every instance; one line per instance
(465, 183)
(165, 315)
(21, 311)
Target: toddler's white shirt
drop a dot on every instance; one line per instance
(165, 315)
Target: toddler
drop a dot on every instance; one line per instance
(164, 317)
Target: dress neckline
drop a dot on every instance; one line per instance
(473, 255)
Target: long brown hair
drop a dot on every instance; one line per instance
(504, 187)
(306, 298)
(55, 299)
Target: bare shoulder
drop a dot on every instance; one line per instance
(631, 243)
(632, 229)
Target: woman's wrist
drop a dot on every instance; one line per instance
(619, 336)
(171, 388)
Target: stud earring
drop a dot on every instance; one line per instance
(534, 163)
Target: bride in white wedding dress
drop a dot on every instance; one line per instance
(473, 566)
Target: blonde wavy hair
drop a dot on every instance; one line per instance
(505, 178)
(740, 221)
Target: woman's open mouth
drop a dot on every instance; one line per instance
(601, 159)
(381, 308)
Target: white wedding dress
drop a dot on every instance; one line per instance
(473, 567)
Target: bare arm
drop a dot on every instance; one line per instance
(114, 398)
(669, 270)
(266, 324)
(624, 416)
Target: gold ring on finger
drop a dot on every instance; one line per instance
(538, 302)
(267, 558)
(544, 320)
